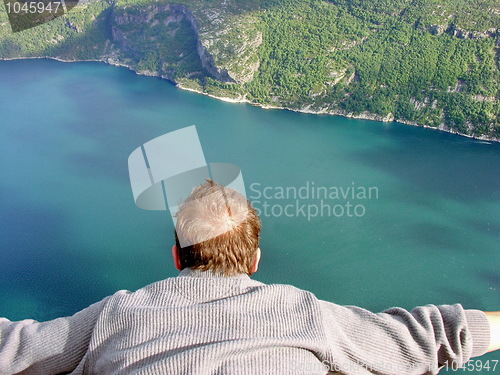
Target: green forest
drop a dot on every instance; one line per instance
(425, 62)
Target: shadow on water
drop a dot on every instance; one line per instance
(38, 260)
(444, 164)
(491, 278)
(96, 125)
(486, 228)
(467, 299)
(104, 166)
(434, 236)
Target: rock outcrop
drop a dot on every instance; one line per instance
(227, 43)
(207, 59)
(227, 47)
(462, 33)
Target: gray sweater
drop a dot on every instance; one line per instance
(201, 323)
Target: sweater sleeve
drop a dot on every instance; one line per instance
(397, 341)
(52, 347)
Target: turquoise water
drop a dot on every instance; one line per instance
(70, 233)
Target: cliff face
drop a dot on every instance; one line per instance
(207, 59)
(232, 42)
(158, 39)
(227, 43)
(227, 49)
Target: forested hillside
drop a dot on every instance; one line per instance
(426, 62)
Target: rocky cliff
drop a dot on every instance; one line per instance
(227, 47)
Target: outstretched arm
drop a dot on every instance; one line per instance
(51, 347)
(398, 341)
(494, 320)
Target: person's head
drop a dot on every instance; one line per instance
(219, 231)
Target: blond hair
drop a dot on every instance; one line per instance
(218, 229)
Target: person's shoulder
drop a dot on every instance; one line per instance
(281, 286)
(287, 292)
(123, 295)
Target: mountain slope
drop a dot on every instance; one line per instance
(426, 62)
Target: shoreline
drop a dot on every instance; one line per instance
(363, 116)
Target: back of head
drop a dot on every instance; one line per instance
(217, 229)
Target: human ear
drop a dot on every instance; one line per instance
(257, 260)
(177, 259)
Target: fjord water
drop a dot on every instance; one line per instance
(70, 233)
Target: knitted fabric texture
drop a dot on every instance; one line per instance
(203, 323)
